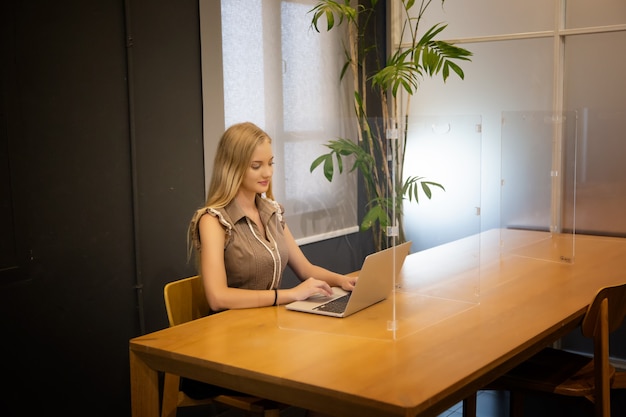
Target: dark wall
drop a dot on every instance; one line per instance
(166, 92)
(101, 168)
(72, 304)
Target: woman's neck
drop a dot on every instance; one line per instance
(246, 201)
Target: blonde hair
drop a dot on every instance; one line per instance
(232, 160)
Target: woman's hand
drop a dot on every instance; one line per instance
(311, 287)
(348, 282)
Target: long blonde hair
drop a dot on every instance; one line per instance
(232, 160)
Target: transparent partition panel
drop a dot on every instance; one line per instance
(538, 167)
(445, 150)
(601, 171)
(442, 277)
(370, 311)
(437, 157)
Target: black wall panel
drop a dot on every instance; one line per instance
(167, 107)
(98, 186)
(66, 113)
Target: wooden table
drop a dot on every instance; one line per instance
(523, 302)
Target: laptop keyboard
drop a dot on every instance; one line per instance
(338, 305)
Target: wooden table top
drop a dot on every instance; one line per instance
(447, 345)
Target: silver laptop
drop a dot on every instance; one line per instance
(374, 284)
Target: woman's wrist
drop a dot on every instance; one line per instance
(285, 296)
(275, 297)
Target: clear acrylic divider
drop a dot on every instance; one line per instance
(441, 275)
(600, 173)
(538, 182)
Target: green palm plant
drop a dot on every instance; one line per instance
(378, 153)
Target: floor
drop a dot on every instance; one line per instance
(490, 404)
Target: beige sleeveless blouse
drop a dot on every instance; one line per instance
(252, 261)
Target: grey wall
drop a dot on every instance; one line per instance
(101, 164)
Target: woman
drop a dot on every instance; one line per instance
(241, 240)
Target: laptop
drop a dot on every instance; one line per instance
(375, 283)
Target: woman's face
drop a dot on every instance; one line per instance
(259, 173)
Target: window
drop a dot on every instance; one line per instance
(282, 75)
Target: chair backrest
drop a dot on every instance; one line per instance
(185, 300)
(616, 300)
(604, 315)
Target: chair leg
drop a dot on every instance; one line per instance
(469, 406)
(601, 360)
(171, 386)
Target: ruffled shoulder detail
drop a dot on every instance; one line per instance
(280, 210)
(195, 221)
(220, 217)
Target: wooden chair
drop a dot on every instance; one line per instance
(185, 301)
(565, 373)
